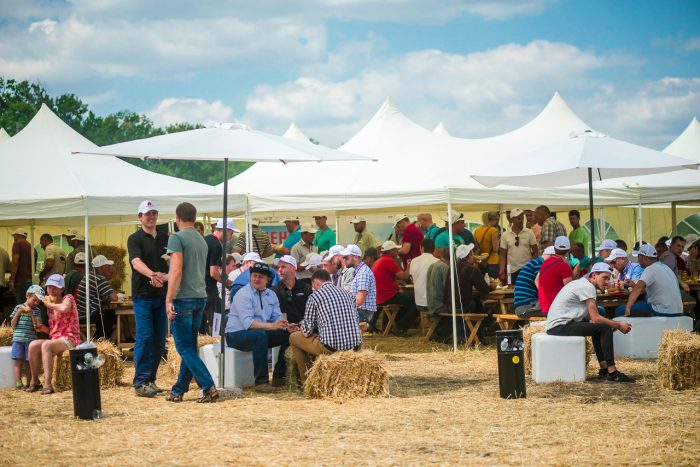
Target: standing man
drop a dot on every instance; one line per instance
(325, 237)
(551, 228)
(77, 241)
(364, 238)
(579, 234)
(532, 224)
(185, 302)
(363, 288)
(212, 273)
(427, 226)
(149, 272)
(409, 238)
(54, 258)
(460, 235)
(21, 274)
(292, 225)
(518, 246)
(5, 266)
(302, 248)
(261, 241)
(419, 272)
(291, 292)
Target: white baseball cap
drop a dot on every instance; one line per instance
(352, 250)
(290, 219)
(648, 250)
(464, 250)
(79, 258)
(399, 217)
(358, 219)
(516, 212)
(36, 291)
(389, 245)
(549, 250)
(311, 228)
(229, 225)
(312, 261)
(289, 259)
(616, 253)
(254, 221)
(147, 206)
(562, 243)
(79, 237)
(607, 245)
(335, 250)
(56, 280)
(71, 233)
(101, 260)
(600, 267)
(237, 258)
(252, 256)
(453, 216)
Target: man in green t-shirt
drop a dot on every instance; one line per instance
(325, 237)
(578, 233)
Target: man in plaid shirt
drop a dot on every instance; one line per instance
(363, 288)
(329, 324)
(551, 228)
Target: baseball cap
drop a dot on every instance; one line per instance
(147, 206)
(399, 217)
(290, 219)
(358, 219)
(607, 245)
(600, 267)
(255, 221)
(237, 258)
(289, 259)
(312, 261)
(549, 250)
(229, 225)
(648, 250)
(101, 260)
(516, 212)
(21, 232)
(562, 243)
(453, 216)
(464, 250)
(389, 245)
(56, 280)
(37, 291)
(311, 228)
(317, 216)
(79, 258)
(335, 250)
(252, 256)
(71, 233)
(79, 237)
(352, 250)
(616, 253)
(261, 268)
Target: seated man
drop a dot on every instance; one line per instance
(76, 275)
(628, 272)
(255, 324)
(574, 313)
(243, 279)
(101, 293)
(329, 324)
(363, 288)
(579, 260)
(663, 297)
(554, 274)
(525, 293)
(292, 293)
(387, 275)
(470, 279)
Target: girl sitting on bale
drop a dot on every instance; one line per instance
(63, 330)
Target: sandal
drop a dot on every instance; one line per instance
(173, 397)
(210, 396)
(47, 390)
(33, 387)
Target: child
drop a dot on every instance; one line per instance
(25, 318)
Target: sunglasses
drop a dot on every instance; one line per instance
(517, 241)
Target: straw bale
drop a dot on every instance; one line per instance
(5, 336)
(62, 379)
(293, 379)
(110, 373)
(172, 361)
(347, 375)
(679, 360)
(530, 330)
(118, 255)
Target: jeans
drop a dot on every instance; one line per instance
(185, 327)
(213, 306)
(602, 336)
(642, 309)
(21, 290)
(149, 345)
(258, 342)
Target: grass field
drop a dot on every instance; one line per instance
(444, 409)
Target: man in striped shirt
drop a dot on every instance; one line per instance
(363, 288)
(525, 298)
(101, 293)
(261, 241)
(329, 324)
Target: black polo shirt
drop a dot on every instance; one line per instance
(214, 252)
(293, 302)
(149, 250)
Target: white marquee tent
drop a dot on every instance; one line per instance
(295, 133)
(4, 136)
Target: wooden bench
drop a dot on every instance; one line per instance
(506, 322)
(390, 311)
(472, 320)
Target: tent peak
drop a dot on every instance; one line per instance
(295, 133)
(687, 144)
(4, 135)
(441, 130)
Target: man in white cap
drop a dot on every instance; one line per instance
(261, 241)
(409, 239)
(363, 288)
(518, 247)
(101, 294)
(312, 262)
(459, 231)
(292, 293)
(525, 299)
(554, 274)
(334, 264)
(293, 236)
(551, 227)
(74, 277)
(469, 278)
(364, 238)
(604, 249)
(387, 275)
(627, 271)
(663, 297)
(574, 313)
(302, 248)
(213, 270)
(77, 241)
(325, 237)
(247, 261)
(54, 258)
(21, 274)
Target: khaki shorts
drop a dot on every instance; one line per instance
(69, 344)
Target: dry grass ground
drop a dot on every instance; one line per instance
(443, 409)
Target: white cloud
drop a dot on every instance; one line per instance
(692, 44)
(178, 110)
(47, 26)
(101, 98)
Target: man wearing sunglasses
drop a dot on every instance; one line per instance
(518, 246)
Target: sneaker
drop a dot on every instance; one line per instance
(619, 377)
(265, 388)
(145, 391)
(156, 388)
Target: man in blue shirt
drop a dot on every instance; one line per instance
(627, 270)
(294, 230)
(255, 323)
(525, 294)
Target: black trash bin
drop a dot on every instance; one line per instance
(511, 368)
(87, 404)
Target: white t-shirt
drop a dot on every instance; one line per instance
(570, 303)
(419, 271)
(662, 289)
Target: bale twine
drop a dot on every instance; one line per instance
(172, 361)
(679, 360)
(347, 375)
(5, 336)
(110, 372)
(530, 330)
(293, 379)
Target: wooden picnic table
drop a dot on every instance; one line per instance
(504, 298)
(125, 309)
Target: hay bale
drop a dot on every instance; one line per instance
(5, 336)
(532, 329)
(110, 372)
(172, 361)
(679, 360)
(347, 375)
(293, 379)
(118, 255)
(62, 379)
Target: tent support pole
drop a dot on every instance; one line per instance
(248, 227)
(32, 252)
(590, 207)
(337, 229)
(640, 226)
(88, 270)
(222, 322)
(452, 274)
(674, 220)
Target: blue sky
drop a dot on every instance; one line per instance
(629, 69)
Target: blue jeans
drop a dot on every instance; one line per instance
(642, 309)
(185, 327)
(258, 342)
(149, 345)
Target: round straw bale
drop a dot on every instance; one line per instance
(293, 379)
(62, 379)
(112, 370)
(172, 361)
(347, 375)
(679, 360)
(5, 336)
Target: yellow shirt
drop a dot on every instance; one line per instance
(483, 235)
(56, 253)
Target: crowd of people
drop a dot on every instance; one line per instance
(317, 297)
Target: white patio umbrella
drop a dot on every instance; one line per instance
(588, 156)
(224, 142)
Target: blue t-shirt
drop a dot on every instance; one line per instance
(291, 240)
(633, 271)
(431, 232)
(525, 288)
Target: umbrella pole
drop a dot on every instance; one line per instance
(224, 277)
(590, 207)
(453, 270)
(88, 267)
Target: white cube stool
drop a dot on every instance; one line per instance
(558, 358)
(7, 365)
(275, 356)
(644, 338)
(238, 371)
